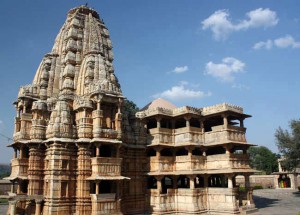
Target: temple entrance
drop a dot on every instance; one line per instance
(284, 181)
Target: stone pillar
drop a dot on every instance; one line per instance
(21, 152)
(225, 121)
(83, 200)
(158, 119)
(38, 206)
(15, 153)
(97, 187)
(230, 181)
(202, 126)
(187, 120)
(12, 207)
(242, 123)
(158, 153)
(35, 170)
(12, 186)
(192, 181)
(204, 152)
(190, 151)
(98, 150)
(227, 148)
(159, 185)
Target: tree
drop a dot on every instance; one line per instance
(130, 107)
(288, 143)
(263, 159)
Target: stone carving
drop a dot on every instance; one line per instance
(75, 144)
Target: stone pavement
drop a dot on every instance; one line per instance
(3, 209)
(268, 201)
(277, 202)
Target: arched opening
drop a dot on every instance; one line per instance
(180, 123)
(167, 183)
(151, 182)
(166, 152)
(106, 186)
(194, 123)
(107, 151)
(284, 181)
(181, 152)
(213, 123)
(151, 152)
(23, 186)
(199, 181)
(183, 182)
(164, 123)
(151, 123)
(215, 150)
(197, 152)
(217, 181)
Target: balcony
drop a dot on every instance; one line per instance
(105, 204)
(19, 167)
(221, 135)
(106, 166)
(178, 163)
(164, 164)
(183, 163)
(225, 161)
(179, 136)
(197, 163)
(23, 127)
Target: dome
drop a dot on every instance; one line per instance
(159, 103)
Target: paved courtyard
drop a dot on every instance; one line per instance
(277, 202)
(268, 201)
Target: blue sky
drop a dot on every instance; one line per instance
(204, 52)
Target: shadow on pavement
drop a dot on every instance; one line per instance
(296, 194)
(261, 202)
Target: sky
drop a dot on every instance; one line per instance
(190, 52)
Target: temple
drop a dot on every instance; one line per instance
(79, 150)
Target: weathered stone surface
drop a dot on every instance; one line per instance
(77, 151)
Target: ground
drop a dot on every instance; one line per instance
(268, 201)
(277, 202)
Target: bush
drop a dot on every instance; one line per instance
(3, 201)
(241, 188)
(257, 187)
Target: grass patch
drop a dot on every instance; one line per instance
(3, 201)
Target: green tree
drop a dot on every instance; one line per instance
(130, 107)
(263, 159)
(288, 143)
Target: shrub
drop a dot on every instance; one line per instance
(242, 188)
(257, 187)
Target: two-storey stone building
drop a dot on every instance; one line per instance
(78, 151)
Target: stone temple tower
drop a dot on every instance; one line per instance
(67, 134)
(79, 149)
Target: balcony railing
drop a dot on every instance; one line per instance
(106, 166)
(233, 133)
(211, 162)
(19, 168)
(105, 204)
(177, 136)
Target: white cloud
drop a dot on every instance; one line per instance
(221, 26)
(180, 69)
(1, 122)
(267, 45)
(180, 92)
(287, 41)
(225, 71)
(282, 42)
